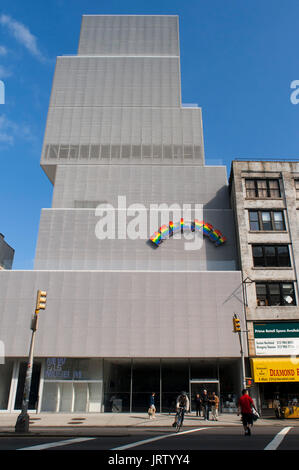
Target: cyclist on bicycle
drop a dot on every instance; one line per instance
(182, 404)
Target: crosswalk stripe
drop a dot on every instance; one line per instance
(153, 439)
(273, 445)
(57, 444)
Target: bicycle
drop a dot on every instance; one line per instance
(180, 418)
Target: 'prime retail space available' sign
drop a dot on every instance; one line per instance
(276, 339)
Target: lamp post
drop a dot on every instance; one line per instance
(22, 424)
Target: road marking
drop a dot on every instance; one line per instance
(153, 439)
(58, 444)
(273, 445)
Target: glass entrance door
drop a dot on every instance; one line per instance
(199, 385)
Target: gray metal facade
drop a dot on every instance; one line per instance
(119, 100)
(116, 127)
(67, 236)
(6, 254)
(122, 314)
(67, 240)
(129, 35)
(90, 185)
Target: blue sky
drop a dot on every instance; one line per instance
(238, 60)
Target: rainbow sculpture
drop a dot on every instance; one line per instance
(167, 231)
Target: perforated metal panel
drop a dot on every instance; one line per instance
(122, 314)
(68, 240)
(142, 134)
(116, 81)
(119, 100)
(144, 184)
(129, 35)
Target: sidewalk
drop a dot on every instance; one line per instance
(98, 423)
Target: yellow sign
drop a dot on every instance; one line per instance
(281, 369)
(291, 412)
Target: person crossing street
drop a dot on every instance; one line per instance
(245, 406)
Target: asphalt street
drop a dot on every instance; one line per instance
(226, 438)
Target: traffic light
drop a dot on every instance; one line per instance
(237, 325)
(249, 382)
(41, 300)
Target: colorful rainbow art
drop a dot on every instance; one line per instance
(156, 238)
(167, 231)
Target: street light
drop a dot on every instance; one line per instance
(22, 424)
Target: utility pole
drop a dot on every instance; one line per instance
(22, 424)
(237, 329)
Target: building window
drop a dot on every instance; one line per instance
(275, 294)
(271, 256)
(297, 188)
(266, 220)
(262, 188)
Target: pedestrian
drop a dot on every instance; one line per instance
(205, 405)
(277, 407)
(198, 404)
(152, 408)
(245, 406)
(215, 406)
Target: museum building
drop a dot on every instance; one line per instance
(126, 314)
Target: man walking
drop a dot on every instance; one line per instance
(245, 406)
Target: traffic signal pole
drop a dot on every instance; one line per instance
(237, 329)
(22, 424)
(242, 360)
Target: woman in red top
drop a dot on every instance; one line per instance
(245, 407)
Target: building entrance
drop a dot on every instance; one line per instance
(129, 383)
(197, 386)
